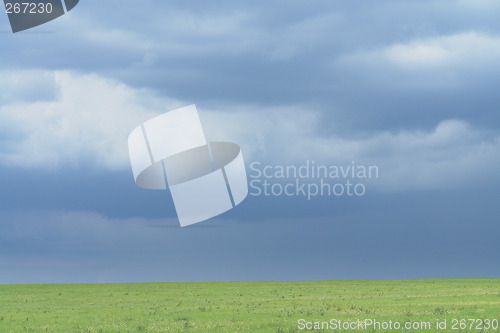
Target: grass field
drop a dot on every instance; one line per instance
(244, 306)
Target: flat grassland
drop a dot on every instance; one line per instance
(247, 306)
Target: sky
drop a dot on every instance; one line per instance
(410, 87)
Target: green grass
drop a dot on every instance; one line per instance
(242, 306)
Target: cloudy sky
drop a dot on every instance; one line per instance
(409, 86)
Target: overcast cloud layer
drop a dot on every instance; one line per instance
(408, 86)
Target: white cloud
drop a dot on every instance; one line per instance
(473, 49)
(434, 62)
(88, 122)
(89, 118)
(454, 154)
(173, 31)
(479, 5)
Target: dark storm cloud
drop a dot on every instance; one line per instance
(270, 54)
(407, 85)
(382, 237)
